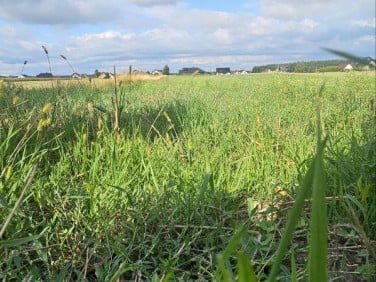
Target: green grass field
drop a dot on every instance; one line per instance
(195, 159)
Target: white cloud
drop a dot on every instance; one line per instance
(324, 9)
(365, 23)
(122, 32)
(154, 2)
(59, 11)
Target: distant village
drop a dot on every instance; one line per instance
(298, 67)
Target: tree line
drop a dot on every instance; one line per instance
(310, 66)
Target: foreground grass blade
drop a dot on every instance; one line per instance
(20, 241)
(348, 56)
(318, 251)
(19, 200)
(292, 221)
(245, 269)
(314, 178)
(294, 272)
(224, 257)
(318, 234)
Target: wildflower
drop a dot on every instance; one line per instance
(15, 100)
(1, 88)
(47, 108)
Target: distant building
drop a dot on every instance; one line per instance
(284, 69)
(345, 67)
(222, 70)
(157, 72)
(191, 70)
(45, 75)
(104, 75)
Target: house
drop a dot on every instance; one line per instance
(104, 75)
(348, 67)
(191, 70)
(45, 75)
(157, 72)
(76, 75)
(282, 69)
(222, 70)
(345, 67)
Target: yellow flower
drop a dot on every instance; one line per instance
(15, 100)
(1, 88)
(47, 108)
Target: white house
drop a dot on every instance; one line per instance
(348, 67)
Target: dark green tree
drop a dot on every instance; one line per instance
(166, 70)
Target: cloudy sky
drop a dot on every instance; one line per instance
(148, 34)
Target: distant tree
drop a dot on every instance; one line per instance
(300, 67)
(166, 70)
(330, 69)
(96, 73)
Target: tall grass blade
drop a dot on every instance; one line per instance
(20, 241)
(292, 220)
(318, 235)
(294, 273)
(314, 178)
(19, 200)
(115, 104)
(349, 56)
(232, 246)
(245, 269)
(318, 251)
(122, 269)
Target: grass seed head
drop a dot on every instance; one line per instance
(8, 172)
(45, 49)
(47, 108)
(15, 100)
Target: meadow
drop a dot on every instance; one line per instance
(153, 186)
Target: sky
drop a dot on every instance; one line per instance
(149, 34)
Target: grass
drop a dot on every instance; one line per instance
(43, 83)
(196, 160)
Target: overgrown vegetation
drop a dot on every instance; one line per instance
(193, 161)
